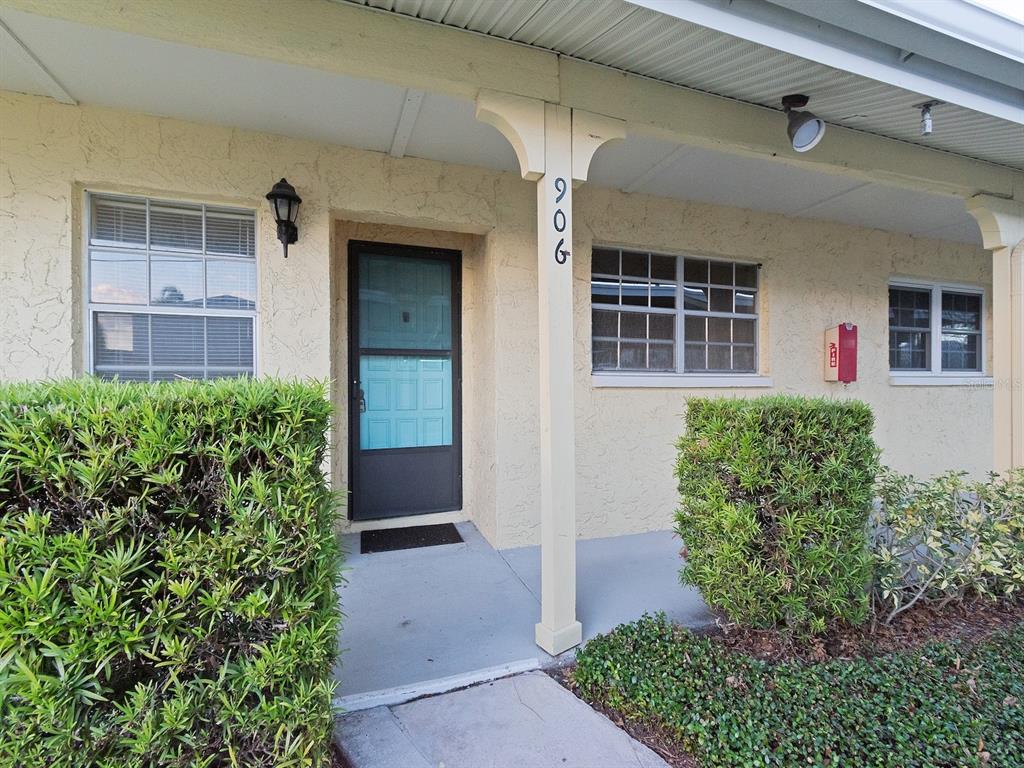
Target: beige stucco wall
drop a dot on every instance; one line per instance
(815, 275)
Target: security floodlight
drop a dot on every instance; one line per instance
(805, 129)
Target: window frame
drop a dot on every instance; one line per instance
(935, 372)
(678, 376)
(90, 308)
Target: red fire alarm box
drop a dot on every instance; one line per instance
(841, 353)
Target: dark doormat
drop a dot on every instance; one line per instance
(408, 538)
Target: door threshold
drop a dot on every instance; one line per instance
(432, 518)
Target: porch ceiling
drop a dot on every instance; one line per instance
(104, 67)
(643, 41)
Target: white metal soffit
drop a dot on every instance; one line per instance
(644, 42)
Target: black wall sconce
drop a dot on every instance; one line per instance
(284, 202)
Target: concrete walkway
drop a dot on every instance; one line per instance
(525, 720)
(465, 612)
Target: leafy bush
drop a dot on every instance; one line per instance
(940, 540)
(946, 704)
(167, 574)
(775, 497)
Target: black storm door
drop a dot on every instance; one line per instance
(405, 420)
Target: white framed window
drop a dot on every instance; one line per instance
(936, 329)
(171, 289)
(657, 314)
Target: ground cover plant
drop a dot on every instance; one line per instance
(775, 495)
(942, 705)
(167, 575)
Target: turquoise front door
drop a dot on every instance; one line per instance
(404, 350)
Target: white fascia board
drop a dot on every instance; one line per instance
(885, 35)
(962, 20)
(731, 23)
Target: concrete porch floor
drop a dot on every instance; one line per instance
(417, 615)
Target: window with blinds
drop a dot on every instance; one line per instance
(171, 290)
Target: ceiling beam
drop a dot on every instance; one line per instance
(829, 199)
(655, 170)
(406, 122)
(49, 84)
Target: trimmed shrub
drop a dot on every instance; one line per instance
(167, 575)
(941, 540)
(775, 494)
(939, 706)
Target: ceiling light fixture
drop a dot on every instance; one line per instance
(926, 116)
(805, 128)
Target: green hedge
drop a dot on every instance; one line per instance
(946, 704)
(167, 575)
(775, 495)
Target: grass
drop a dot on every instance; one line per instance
(944, 704)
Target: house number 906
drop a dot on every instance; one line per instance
(561, 253)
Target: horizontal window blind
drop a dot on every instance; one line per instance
(172, 290)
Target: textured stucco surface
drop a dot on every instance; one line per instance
(815, 275)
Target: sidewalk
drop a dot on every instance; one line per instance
(524, 720)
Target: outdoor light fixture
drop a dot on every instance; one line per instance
(284, 202)
(805, 128)
(926, 116)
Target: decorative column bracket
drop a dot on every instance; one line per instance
(590, 132)
(521, 122)
(1002, 231)
(554, 146)
(1001, 220)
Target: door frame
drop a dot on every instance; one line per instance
(454, 258)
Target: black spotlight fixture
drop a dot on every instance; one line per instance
(805, 128)
(284, 202)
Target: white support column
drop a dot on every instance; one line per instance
(554, 146)
(558, 629)
(1002, 229)
(1017, 323)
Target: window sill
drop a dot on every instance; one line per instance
(680, 380)
(939, 380)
